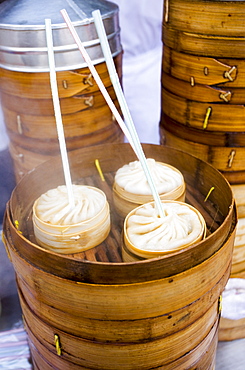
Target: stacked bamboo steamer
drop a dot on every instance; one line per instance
(25, 83)
(91, 310)
(203, 80)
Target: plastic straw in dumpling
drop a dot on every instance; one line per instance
(57, 111)
(129, 131)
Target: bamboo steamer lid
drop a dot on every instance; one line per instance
(126, 200)
(69, 237)
(194, 217)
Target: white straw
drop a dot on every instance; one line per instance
(131, 137)
(97, 77)
(124, 107)
(57, 111)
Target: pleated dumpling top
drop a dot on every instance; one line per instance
(181, 225)
(53, 206)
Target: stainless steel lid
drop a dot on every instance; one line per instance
(23, 40)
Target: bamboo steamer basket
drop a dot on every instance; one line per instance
(231, 329)
(229, 160)
(125, 201)
(130, 252)
(214, 138)
(42, 336)
(25, 84)
(196, 114)
(204, 45)
(98, 305)
(203, 70)
(202, 93)
(196, 27)
(220, 18)
(238, 191)
(238, 259)
(203, 80)
(207, 346)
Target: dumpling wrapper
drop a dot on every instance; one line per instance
(180, 225)
(53, 206)
(131, 177)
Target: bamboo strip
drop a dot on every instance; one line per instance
(222, 117)
(225, 159)
(213, 138)
(221, 18)
(141, 355)
(231, 329)
(189, 361)
(239, 191)
(43, 127)
(125, 301)
(202, 93)
(204, 45)
(130, 331)
(203, 70)
(44, 107)
(70, 83)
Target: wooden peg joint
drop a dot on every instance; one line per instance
(89, 101)
(65, 85)
(225, 96)
(88, 80)
(231, 158)
(208, 113)
(57, 344)
(166, 10)
(227, 74)
(206, 71)
(19, 125)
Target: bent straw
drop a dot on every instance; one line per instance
(131, 135)
(57, 111)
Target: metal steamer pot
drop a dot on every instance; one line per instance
(22, 33)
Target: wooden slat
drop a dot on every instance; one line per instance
(203, 93)
(203, 70)
(204, 45)
(201, 136)
(210, 116)
(70, 83)
(226, 159)
(221, 18)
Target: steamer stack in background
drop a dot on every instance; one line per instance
(25, 84)
(203, 92)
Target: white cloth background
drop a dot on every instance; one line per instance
(233, 303)
(141, 33)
